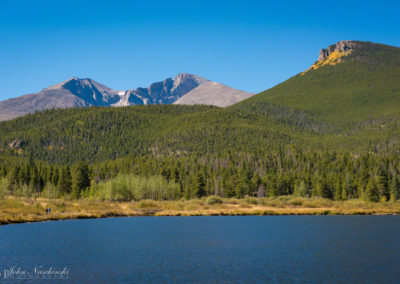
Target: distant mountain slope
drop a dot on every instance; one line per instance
(213, 93)
(71, 93)
(77, 92)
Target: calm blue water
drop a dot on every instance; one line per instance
(246, 249)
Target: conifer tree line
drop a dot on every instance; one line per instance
(337, 176)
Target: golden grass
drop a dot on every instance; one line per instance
(13, 210)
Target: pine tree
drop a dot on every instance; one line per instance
(362, 181)
(338, 189)
(317, 189)
(283, 186)
(176, 175)
(255, 183)
(24, 176)
(345, 193)
(166, 173)
(35, 179)
(383, 184)
(56, 177)
(272, 188)
(50, 174)
(199, 185)
(242, 184)
(372, 191)
(228, 184)
(3, 172)
(395, 189)
(80, 179)
(326, 190)
(14, 178)
(65, 181)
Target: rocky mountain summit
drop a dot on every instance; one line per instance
(341, 46)
(76, 92)
(165, 92)
(334, 54)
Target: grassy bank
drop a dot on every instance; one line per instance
(13, 210)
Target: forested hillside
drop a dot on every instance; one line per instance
(331, 131)
(360, 89)
(97, 134)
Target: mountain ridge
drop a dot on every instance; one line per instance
(75, 92)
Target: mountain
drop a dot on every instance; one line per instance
(349, 100)
(353, 85)
(165, 92)
(77, 92)
(71, 93)
(213, 93)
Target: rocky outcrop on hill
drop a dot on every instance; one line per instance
(342, 46)
(16, 144)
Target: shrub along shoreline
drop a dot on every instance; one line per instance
(22, 210)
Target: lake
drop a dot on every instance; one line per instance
(226, 249)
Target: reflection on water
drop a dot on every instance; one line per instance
(240, 249)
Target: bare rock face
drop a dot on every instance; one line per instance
(184, 83)
(213, 93)
(90, 91)
(16, 144)
(344, 45)
(164, 92)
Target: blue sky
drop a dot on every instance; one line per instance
(249, 45)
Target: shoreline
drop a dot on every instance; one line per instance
(79, 217)
(72, 216)
(27, 210)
